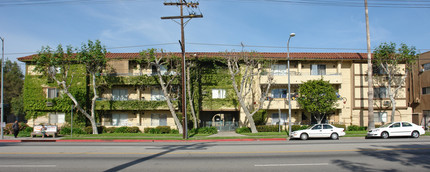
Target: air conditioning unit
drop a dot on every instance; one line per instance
(417, 100)
(422, 70)
(387, 103)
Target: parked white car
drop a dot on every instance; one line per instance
(397, 129)
(319, 131)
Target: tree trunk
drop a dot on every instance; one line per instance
(190, 98)
(93, 105)
(169, 103)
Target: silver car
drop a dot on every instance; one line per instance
(319, 131)
(397, 129)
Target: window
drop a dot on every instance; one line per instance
(119, 94)
(163, 70)
(119, 119)
(395, 125)
(275, 118)
(327, 127)
(158, 120)
(317, 127)
(426, 66)
(317, 69)
(157, 95)
(55, 70)
(380, 117)
(380, 92)
(218, 93)
(57, 118)
(426, 90)
(378, 70)
(279, 69)
(279, 93)
(52, 93)
(406, 124)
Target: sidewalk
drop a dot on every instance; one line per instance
(224, 136)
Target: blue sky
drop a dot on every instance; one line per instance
(261, 25)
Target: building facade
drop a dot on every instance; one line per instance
(419, 90)
(131, 96)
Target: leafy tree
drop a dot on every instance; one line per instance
(56, 65)
(244, 68)
(13, 83)
(164, 60)
(390, 61)
(317, 97)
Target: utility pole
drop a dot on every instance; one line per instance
(370, 115)
(181, 4)
(2, 101)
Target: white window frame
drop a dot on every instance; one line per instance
(55, 93)
(119, 119)
(279, 69)
(119, 94)
(57, 118)
(158, 119)
(218, 93)
(380, 116)
(157, 95)
(318, 69)
(275, 118)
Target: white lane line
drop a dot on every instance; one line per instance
(26, 166)
(283, 165)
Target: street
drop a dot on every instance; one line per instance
(346, 154)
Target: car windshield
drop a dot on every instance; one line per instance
(386, 125)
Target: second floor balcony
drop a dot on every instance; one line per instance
(299, 78)
(282, 103)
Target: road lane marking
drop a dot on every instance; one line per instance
(181, 153)
(27, 166)
(283, 165)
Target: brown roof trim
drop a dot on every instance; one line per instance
(293, 56)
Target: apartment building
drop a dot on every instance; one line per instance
(132, 96)
(419, 90)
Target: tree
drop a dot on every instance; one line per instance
(56, 65)
(190, 95)
(13, 84)
(390, 60)
(244, 69)
(165, 78)
(317, 97)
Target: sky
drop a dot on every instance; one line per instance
(260, 25)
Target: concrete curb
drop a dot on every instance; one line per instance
(137, 141)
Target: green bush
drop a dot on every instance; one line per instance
(174, 131)
(28, 129)
(110, 130)
(121, 130)
(9, 130)
(88, 130)
(260, 118)
(243, 130)
(299, 127)
(267, 128)
(133, 130)
(207, 130)
(101, 129)
(163, 129)
(146, 130)
(356, 128)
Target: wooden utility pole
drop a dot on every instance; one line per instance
(181, 4)
(370, 115)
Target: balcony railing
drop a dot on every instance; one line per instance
(282, 103)
(298, 78)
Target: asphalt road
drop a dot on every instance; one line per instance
(347, 154)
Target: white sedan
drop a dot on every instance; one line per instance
(397, 129)
(319, 131)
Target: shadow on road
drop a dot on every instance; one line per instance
(411, 155)
(167, 149)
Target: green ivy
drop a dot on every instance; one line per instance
(132, 105)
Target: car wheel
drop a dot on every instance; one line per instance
(304, 136)
(334, 136)
(384, 135)
(415, 134)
